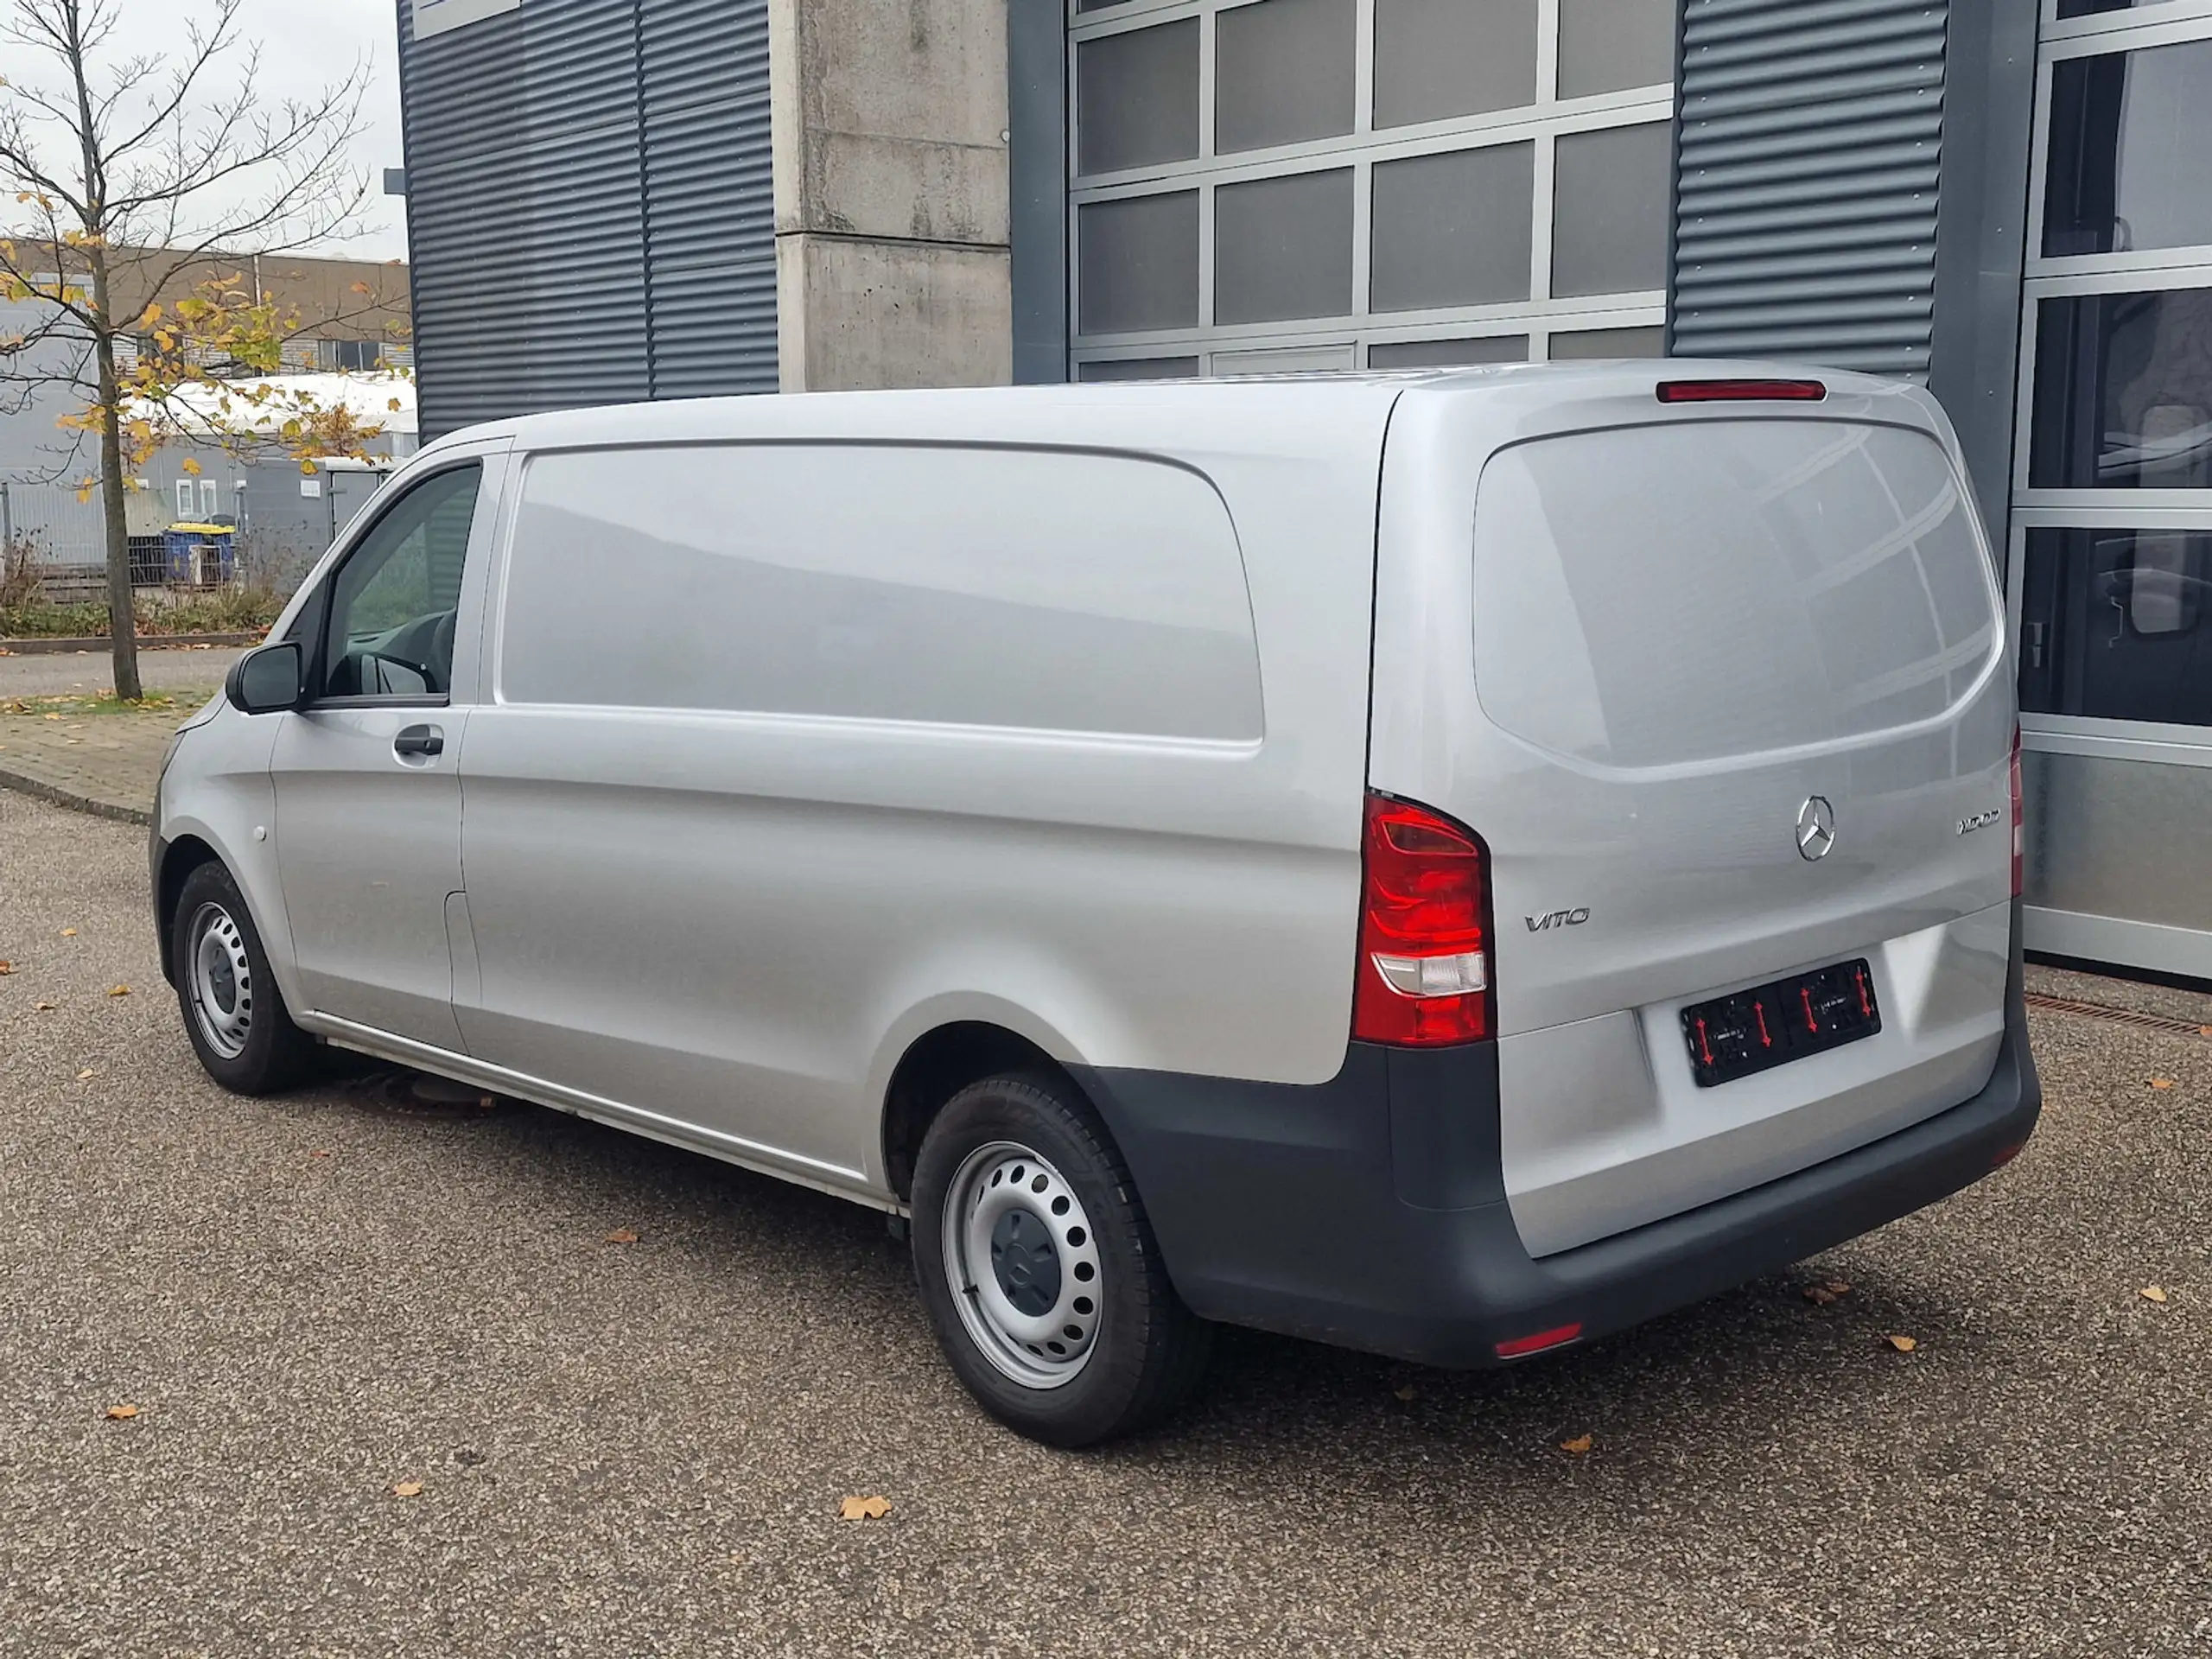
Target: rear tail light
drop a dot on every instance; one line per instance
(1424, 974)
(1741, 391)
(2019, 821)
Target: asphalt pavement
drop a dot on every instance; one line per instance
(40, 674)
(641, 1447)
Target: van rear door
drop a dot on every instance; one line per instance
(1722, 688)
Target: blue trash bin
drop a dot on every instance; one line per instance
(180, 543)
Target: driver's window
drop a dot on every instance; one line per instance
(392, 602)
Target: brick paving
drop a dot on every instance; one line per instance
(104, 763)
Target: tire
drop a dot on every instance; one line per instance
(1040, 1271)
(233, 1013)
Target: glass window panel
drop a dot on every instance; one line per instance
(1137, 97)
(1284, 73)
(1138, 262)
(1447, 353)
(1286, 359)
(2066, 7)
(2129, 132)
(1453, 229)
(1585, 343)
(2116, 625)
(1282, 248)
(2123, 394)
(1139, 368)
(1606, 46)
(394, 601)
(1437, 58)
(1610, 206)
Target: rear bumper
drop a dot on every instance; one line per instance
(1370, 1211)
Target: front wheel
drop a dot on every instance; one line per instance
(234, 1012)
(1040, 1271)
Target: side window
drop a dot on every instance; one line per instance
(392, 602)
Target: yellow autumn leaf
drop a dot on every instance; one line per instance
(2161, 1083)
(66, 932)
(1902, 1345)
(622, 1235)
(119, 990)
(1578, 1445)
(2152, 1293)
(86, 1075)
(408, 1489)
(122, 1413)
(191, 467)
(864, 1508)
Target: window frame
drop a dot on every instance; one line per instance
(1541, 122)
(313, 624)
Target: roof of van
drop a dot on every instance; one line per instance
(1058, 413)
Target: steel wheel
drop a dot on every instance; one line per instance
(219, 980)
(1022, 1259)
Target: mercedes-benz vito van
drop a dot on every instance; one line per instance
(1447, 864)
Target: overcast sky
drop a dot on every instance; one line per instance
(306, 44)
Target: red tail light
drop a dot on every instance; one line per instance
(1557, 1336)
(2020, 823)
(1424, 974)
(1741, 391)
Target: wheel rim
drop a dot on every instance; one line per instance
(1023, 1260)
(219, 977)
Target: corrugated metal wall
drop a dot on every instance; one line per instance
(590, 205)
(1812, 135)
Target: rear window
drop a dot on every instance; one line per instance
(1659, 595)
(1003, 587)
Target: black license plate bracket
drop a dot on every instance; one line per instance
(1752, 1031)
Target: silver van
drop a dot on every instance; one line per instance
(1447, 865)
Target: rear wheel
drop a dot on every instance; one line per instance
(1039, 1270)
(234, 1012)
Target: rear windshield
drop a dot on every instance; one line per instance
(1657, 594)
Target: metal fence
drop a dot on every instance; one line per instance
(49, 520)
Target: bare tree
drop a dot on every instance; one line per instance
(136, 176)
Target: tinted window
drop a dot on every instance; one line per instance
(2123, 396)
(1008, 588)
(1665, 593)
(392, 603)
(2129, 131)
(2115, 625)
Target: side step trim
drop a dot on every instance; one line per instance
(823, 1176)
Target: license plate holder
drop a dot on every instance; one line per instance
(1749, 1032)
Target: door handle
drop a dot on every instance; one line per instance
(423, 740)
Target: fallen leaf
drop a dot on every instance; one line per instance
(1822, 1294)
(119, 990)
(68, 932)
(43, 1008)
(1902, 1345)
(1408, 1392)
(2204, 1031)
(408, 1489)
(318, 1153)
(1578, 1445)
(2162, 1082)
(122, 1413)
(86, 1075)
(7, 967)
(621, 1235)
(864, 1508)
(2152, 1293)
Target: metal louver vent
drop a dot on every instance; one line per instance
(1805, 219)
(590, 207)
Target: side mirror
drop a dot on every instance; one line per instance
(267, 681)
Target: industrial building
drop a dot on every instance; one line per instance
(629, 198)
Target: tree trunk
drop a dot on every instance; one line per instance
(122, 616)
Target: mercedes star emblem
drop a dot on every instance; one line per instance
(1815, 828)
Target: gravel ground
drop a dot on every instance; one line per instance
(640, 1449)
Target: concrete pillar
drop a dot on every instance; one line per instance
(890, 133)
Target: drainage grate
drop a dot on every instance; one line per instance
(2119, 1016)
